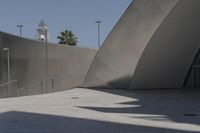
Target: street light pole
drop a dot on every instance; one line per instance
(8, 60)
(20, 29)
(98, 24)
(46, 58)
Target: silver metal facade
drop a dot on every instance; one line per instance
(152, 46)
(169, 54)
(116, 61)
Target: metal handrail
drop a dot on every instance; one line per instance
(42, 85)
(28, 86)
(19, 89)
(4, 84)
(31, 85)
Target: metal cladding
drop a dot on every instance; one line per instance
(67, 66)
(152, 46)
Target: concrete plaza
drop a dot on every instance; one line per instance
(103, 111)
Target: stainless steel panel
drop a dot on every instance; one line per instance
(169, 54)
(116, 61)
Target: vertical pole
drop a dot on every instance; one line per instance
(41, 86)
(20, 28)
(46, 61)
(52, 83)
(194, 81)
(8, 62)
(19, 93)
(8, 56)
(99, 41)
(99, 35)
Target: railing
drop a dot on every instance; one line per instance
(4, 85)
(15, 89)
(39, 87)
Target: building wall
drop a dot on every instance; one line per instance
(67, 66)
(116, 62)
(169, 54)
(152, 46)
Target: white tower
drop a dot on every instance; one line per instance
(42, 32)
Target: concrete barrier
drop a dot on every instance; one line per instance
(66, 66)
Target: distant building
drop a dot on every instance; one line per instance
(42, 32)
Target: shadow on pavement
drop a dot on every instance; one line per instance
(21, 122)
(178, 105)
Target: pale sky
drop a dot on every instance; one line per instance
(76, 15)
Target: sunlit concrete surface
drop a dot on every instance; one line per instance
(103, 111)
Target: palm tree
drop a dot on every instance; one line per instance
(67, 37)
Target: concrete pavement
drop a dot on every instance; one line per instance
(103, 111)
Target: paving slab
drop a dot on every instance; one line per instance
(82, 110)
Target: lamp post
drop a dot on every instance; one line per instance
(98, 24)
(8, 61)
(20, 29)
(46, 58)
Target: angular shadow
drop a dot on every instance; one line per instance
(178, 105)
(22, 122)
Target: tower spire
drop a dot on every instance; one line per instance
(42, 32)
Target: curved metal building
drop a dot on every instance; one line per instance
(153, 45)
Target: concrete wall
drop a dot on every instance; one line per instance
(67, 66)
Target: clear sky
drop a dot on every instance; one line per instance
(76, 15)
